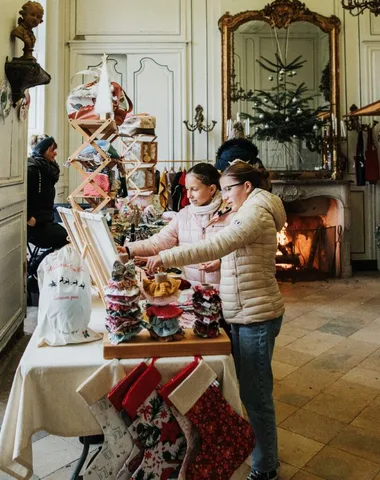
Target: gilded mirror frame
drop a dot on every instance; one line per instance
(280, 14)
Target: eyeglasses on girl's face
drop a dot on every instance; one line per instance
(228, 188)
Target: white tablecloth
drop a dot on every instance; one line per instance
(43, 395)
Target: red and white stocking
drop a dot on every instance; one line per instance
(226, 438)
(155, 427)
(116, 396)
(118, 442)
(191, 433)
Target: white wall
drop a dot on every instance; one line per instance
(170, 54)
(12, 196)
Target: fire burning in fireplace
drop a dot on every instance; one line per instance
(306, 248)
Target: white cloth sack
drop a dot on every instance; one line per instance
(65, 299)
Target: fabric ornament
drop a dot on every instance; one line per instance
(124, 317)
(162, 289)
(226, 438)
(118, 442)
(155, 426)
(164, 319)
(208, 311)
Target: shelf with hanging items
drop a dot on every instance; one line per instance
(366, 160)
(139, 157)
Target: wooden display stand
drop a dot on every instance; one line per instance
(92, 130)
(142, 345)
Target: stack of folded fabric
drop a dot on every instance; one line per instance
(124, 316)
(162, 294)
(208, 311)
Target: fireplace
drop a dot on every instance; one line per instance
(314, 244)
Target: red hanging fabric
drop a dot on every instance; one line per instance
(371, 160)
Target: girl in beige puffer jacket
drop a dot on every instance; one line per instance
(198, 221)
(251, 298)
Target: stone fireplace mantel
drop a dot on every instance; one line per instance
(299, 189)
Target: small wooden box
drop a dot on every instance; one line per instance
(146, 152)
(143, 346)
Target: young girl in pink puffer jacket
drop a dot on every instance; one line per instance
(198, 221)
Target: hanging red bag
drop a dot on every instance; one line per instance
(371, 160)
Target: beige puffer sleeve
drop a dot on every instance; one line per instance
(244, 229)
(164, 239)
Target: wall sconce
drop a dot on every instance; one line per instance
(198, 122)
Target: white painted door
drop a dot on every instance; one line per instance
(12, 205)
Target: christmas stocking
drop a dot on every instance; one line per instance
(226, 438)
(116, 396)
(118, 442)
(155, 427)
(190, 431)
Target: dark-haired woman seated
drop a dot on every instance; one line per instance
(43, 174)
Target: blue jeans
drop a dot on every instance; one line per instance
(253, 346)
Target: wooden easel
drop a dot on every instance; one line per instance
(83, 241)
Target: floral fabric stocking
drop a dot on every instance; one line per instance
(226, 438)
(156, 428)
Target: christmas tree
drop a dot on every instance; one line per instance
(284, 113)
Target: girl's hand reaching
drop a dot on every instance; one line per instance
(153, 264)
(209, 267)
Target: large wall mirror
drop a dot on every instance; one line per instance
(280, 75)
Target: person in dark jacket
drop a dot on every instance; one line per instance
(43, 174)
(240, 148)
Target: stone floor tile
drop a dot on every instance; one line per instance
(286, 471)
(312, 425)
(39, 435)
(295, 449)
(310, 321)
(283, 410)
(372, 362)
(315, 343)
(283, 340)
(297, 332)
(370, 333)
(338, 329)
(291, 357)
(302, 475)
(363, 376)
(334, 464)
(360, 442)
(293, 393)
(358, 314)
(314, 377)
(63, 473)
(369, 418)
(344, 356)
(282, 370)
(344, 409)
(51, 453)
(359, 393)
